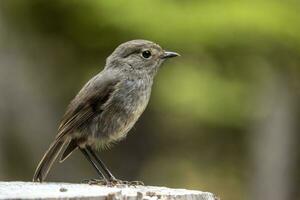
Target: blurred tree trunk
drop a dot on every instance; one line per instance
(24, 111)
(274, 141)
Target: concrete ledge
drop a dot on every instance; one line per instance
(30, 190)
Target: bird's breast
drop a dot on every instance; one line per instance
(121, 111)
(133, 99)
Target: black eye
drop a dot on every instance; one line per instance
(146, 54)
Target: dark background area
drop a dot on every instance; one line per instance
(222, 118)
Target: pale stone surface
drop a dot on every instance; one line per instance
(29, 190)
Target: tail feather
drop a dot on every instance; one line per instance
(71, 146)
(48, 159)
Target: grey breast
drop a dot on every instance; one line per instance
(121, 111)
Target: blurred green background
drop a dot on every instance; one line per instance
(222, 118)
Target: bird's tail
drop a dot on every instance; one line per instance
(48, 159)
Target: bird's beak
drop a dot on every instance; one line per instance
(169, 54)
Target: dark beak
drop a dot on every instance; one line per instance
(169, 54)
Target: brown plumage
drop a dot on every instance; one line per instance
(80, 110)
(107, 106)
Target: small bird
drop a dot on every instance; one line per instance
(107, 106)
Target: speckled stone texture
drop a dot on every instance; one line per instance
(29, 190)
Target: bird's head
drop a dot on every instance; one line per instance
(139, 56)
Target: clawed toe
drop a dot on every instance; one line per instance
(136, 183)
(117, 182)
(95, 181)
(112, 182)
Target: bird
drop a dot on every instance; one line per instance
(107, 106)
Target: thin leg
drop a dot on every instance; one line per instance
(87, 156)
(99, 161)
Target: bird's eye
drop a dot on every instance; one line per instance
(146, 54)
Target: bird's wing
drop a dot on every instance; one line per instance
(87, 103)
(83, 107)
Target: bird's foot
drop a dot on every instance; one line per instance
(136, 183)
(112, 182)
(117, 182)
(120, 183)
(96, 181)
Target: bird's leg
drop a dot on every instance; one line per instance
(103, 166)
(111, 179)
(103, 181)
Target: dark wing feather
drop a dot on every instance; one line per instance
(83, 107)
(86, 104)
(70, 148)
